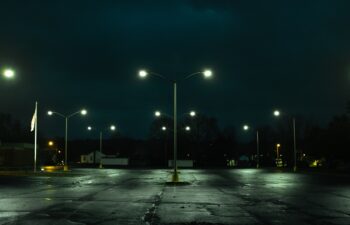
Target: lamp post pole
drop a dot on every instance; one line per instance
(100, 166)
(66, 146)
(277, 113)
(294, 147)
(175, 175)
(112, 128)
(257, 150)
(143, 74)
(50, 113)
(246, 128)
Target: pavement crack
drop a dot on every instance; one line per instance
(151, 217)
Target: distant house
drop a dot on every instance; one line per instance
(92, 157)
(107, 160)
(16, 155)
(112, 160)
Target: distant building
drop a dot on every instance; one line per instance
(106, 160)
(16, 155)
(92, 157)
(111, 160)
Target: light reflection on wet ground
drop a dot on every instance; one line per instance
(119, 196)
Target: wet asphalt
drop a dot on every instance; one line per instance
(122, 196)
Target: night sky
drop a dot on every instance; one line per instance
(293, 55)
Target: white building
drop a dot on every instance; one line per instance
(92, 158)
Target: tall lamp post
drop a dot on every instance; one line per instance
(111, 128)
(246, 128)
(164, 128)
(66, 117)
(144, 74)
(277, 113)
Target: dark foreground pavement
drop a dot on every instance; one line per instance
(246, 196)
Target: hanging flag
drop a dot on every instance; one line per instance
(32, 125)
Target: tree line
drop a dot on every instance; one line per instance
(208, 144)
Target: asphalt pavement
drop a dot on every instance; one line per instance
(121, 196)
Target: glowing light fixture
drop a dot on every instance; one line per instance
(8, 73)
(208, 73)
(157, 113)
(143, 73)
(276, 113)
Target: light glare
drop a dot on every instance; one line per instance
(143, 73)
(9, 73)
(89, 128)
(112, 127)
(49, 113)
(208, 73)
(157, 113)
(192, 113)
(245, 127)
(276, 113)
(83, 112)
(164, 128)
(187, 128)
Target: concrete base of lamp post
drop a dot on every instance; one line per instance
(100, 166)
(175, 177)
(65, 168)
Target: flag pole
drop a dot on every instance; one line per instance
(35, 134)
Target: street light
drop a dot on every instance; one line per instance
(277, 114)
(111, 128)
(192, 113)
(206, 74)
(50, 143)
(157, 114)
(277, 150)
(187, 128)
(8, 73)
(66, 117)
(143, 73)
(246, 128)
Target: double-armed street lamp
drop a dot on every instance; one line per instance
(164, 128)
(143, 74)
(66, 117)
(247, 128)
(111, 128)
(277, 113)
